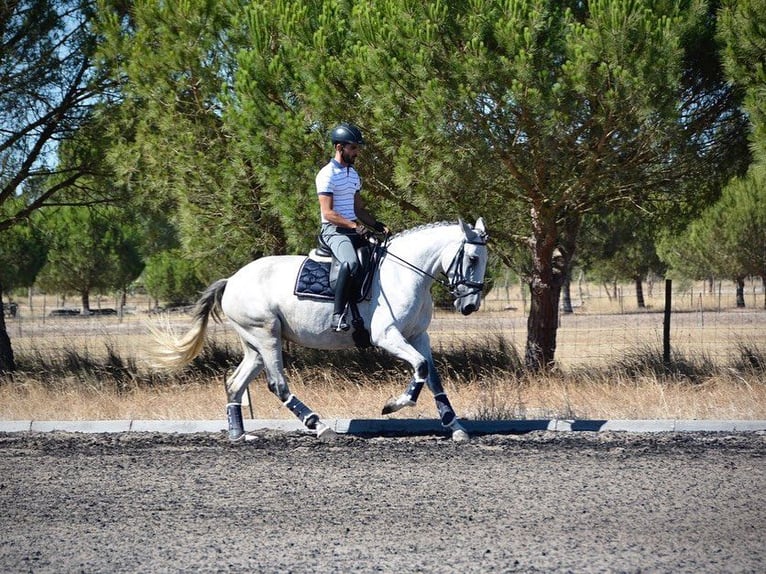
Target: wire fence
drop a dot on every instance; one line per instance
(606, 323)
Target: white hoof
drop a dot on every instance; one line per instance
(243, 438)
(459, 434)
(398, 404)
(325, 433)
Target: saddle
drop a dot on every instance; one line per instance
(317, 277)
(319, 272)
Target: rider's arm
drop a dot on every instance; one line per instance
(366, 217)
(328, 213)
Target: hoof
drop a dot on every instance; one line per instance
(460, 436)
(325, 433)
(238, 439)
(397, 404)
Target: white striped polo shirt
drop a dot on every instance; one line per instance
(342, 183)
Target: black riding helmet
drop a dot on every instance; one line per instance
(346, 134)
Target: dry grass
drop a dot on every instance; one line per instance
(549, 397)
(610, 366)
(96, 378)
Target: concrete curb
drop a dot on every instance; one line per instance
(389, 427)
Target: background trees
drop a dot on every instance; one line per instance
(175, 62)
(207, 121)
(728, 238)
(48, 86)
(170, 276)
(90, 250)
(536, 111)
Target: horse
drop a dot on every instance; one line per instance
(260, 303)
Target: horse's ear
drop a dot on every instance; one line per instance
(479, 227)
(466, 228)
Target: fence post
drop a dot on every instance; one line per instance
(666, 322)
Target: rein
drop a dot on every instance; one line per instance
(458, 278)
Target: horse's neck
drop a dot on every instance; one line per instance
(423, 249)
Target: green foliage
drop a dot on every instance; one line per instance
(170, 277)
(618, 246)
(175, 152)
(90, 250)
(742, 33)
(22, 255)
(741, 212)
(729, 239)
(48, 91)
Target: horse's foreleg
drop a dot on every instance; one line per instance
(395, 343)
(443, 406)
(425, 372)
(407, 399)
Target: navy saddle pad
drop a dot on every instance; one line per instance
(314, 280)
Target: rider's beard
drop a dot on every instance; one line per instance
(347, 159)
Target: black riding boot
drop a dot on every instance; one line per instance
(342, 286)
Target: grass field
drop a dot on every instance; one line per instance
(610, 366)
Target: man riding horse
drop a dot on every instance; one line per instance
(345, 220)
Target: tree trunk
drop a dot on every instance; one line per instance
(740, 292)
(566, 296)
(640, 293)
(542, 325)
(85, 298)
(7, 361)
(552, 255)
(545, 289)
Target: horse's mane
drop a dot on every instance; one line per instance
(423, 227)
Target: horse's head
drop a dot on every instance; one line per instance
(466, 271)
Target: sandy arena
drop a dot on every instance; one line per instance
(539, 502)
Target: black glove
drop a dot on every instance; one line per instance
(379, 227)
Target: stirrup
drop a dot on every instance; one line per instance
(339, 323)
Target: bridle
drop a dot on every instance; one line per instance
(458, 277)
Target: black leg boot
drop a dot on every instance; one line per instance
(342, 284)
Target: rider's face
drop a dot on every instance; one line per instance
(348, 153)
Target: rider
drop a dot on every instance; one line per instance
(344, 216)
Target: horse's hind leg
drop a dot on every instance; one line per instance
(246, 371)
(270, 349)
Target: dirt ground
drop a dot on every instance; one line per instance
(539, 502)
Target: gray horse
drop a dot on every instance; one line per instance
(260, 303)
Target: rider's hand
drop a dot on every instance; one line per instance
(360, 229)
(381, 227)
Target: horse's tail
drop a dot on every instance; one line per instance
(175, 353)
